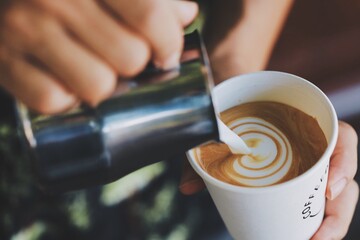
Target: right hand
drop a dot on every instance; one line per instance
(341, 202)
(56, 53)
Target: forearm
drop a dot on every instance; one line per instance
(251, 30)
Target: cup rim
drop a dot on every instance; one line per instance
(290, 183)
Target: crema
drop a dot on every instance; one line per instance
(284, 141)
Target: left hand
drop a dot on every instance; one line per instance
(342, 191)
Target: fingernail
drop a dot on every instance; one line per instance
(171, 62)
(337, 188)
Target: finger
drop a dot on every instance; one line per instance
(122, 48)
(83, 73)
(338, 214)
(40, 35)
(35, 88)
(343, 163)
(156, 22)
(185, 11)
(190, 182)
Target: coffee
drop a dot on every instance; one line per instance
(285, 142)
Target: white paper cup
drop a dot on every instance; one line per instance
(290, 210)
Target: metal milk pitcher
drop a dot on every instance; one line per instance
(163, 114)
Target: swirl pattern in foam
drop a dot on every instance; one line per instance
(285, 142)
(271, 153)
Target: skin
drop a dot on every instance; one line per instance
(239, 49)
(54, 54)
(341, 203)
(238, 45)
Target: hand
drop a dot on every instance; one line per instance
(342, 191)
(55, 53)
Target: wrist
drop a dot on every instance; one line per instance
(228, 65)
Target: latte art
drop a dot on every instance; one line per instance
(271, 154)
(278, 150)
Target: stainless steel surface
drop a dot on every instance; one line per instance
(150, 118)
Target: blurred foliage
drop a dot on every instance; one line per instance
(120, 190)
(144, 205)
(33, 232)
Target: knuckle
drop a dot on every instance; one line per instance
(174, 43)
(169, 47)
(50, 101)
(39, 41)
(351, 132)
(350, 174)
(171, 43)
(33, 28)
(105, 83)
(135, 60)
(14, 18)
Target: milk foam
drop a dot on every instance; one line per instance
(271, 154)
(284, 142)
